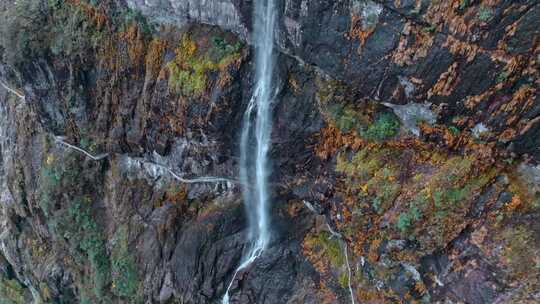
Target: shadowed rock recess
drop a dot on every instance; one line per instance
(405, 152)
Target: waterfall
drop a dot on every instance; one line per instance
(254, 167)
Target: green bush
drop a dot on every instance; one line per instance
(406, 219)
(385, 126)
(188, 72)
(90, 241)
(221, 49)
(124, 269)
(67, 187)
(484, 13)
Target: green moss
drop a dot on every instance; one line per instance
(345, 118)
(11, 292)
(503, 77)
(430, 29)
(385, 187)
(363, 164)
(330, 92)
(365, 120)
(87, 237)
(443, 201)
(330, 246)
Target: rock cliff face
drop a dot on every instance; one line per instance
(404, 152)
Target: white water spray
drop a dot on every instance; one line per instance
(254, 163)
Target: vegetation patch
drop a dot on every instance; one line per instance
(385, 126)
(372, 176)
(368, 124)
(189, 71)
(125, 280)
(73, 28)
(325, 246)
(11, 292)
(67, 195)
(437, 210)
(484, 13)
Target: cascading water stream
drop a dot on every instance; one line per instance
(254, 164)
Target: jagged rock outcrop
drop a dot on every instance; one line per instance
(362, 207)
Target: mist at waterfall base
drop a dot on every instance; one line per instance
(254, 162)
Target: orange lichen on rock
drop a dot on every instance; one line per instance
(458, 47)
(154, 57)
(326, 295)
(446, 83)
(136, 44)
(473, 101)
(357, 31)
(445, 13)
(373, 255)
(331, 140)
(451, 140)
(459, 20)
(521, 101)
(414, 44)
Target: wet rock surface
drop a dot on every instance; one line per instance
(369, 203)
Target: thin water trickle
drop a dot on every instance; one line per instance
(254, 164)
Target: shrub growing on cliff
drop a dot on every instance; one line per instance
(88, 238)
(385, 126)
(406, 219)
(484, 13)
(67, 188)
(189, 71)
(124, 270)
(344, 117)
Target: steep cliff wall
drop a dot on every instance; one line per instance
(404, 152)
